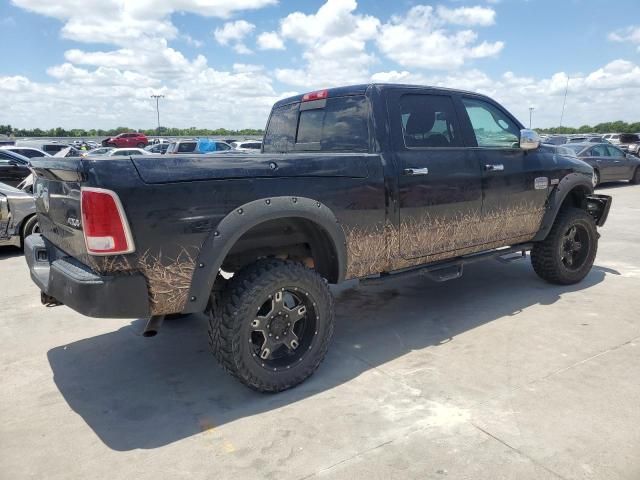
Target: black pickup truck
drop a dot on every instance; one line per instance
(367, 181)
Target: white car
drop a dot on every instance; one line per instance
(125, 152)
(29, 152)
(98, 151)
(247, 146)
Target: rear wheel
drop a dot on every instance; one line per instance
(567, 254)
(596, 178)
(271, 326)
(636, 176)
(30, 227)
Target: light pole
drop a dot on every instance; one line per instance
(531, 109)
(564, 102)
(158, 97)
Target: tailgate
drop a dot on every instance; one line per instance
(57, 193)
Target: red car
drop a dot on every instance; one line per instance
(126, 140)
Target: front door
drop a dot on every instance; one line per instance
(622, 167)
(515, 183)
(12, 171)
(440, 192)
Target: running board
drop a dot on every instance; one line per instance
(452, 269)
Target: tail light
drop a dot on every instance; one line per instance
(319, 95)
(105, 226)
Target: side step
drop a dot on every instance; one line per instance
(444, 274)
(452, 269)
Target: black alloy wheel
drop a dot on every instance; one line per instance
(283, 329)
(574, 247)
(271, 325)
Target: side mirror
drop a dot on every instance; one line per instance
(529, 139)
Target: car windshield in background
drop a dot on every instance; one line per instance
(577, 148)
(340, 126)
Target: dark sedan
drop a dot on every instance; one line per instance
(609, 162)
(13, 167)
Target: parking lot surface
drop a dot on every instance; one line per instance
(496, 375)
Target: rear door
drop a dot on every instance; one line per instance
(515, 183)
(440, 191)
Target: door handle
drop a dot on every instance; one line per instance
(494, 167)
(416, 171)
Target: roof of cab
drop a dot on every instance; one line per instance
(362, 88)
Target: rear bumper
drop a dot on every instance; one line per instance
(77, 286)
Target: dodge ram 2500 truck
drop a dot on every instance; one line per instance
(367, 181)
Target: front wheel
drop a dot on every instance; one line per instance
(636, 176)
(271, 326)
(567, 254)
(141, 145)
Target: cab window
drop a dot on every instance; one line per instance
(429, 121)
(491, 127)
(341, 125)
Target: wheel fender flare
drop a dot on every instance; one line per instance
(239, 221)
(557, 198)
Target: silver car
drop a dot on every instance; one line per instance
(17, 216)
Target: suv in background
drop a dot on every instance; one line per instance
(629, 142)
(247, 146)
(191, 146)
(124, 140)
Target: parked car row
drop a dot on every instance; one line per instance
(628, 142)
(609, 162)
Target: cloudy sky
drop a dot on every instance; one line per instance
(222, 63)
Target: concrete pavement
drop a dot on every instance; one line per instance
(496, 375)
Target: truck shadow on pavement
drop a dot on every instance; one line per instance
(9, 252)
(144, 393)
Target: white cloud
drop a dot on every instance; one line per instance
(421, 39)
(468, 16)
(627, 35)
(335, 40)
(270, 41)
(233, 32)
(189, 40)
(110, 85)
(599, 96)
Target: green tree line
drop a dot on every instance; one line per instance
(167, 131)
(607, 127)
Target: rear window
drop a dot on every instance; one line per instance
(186, 147)
(339, 126)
